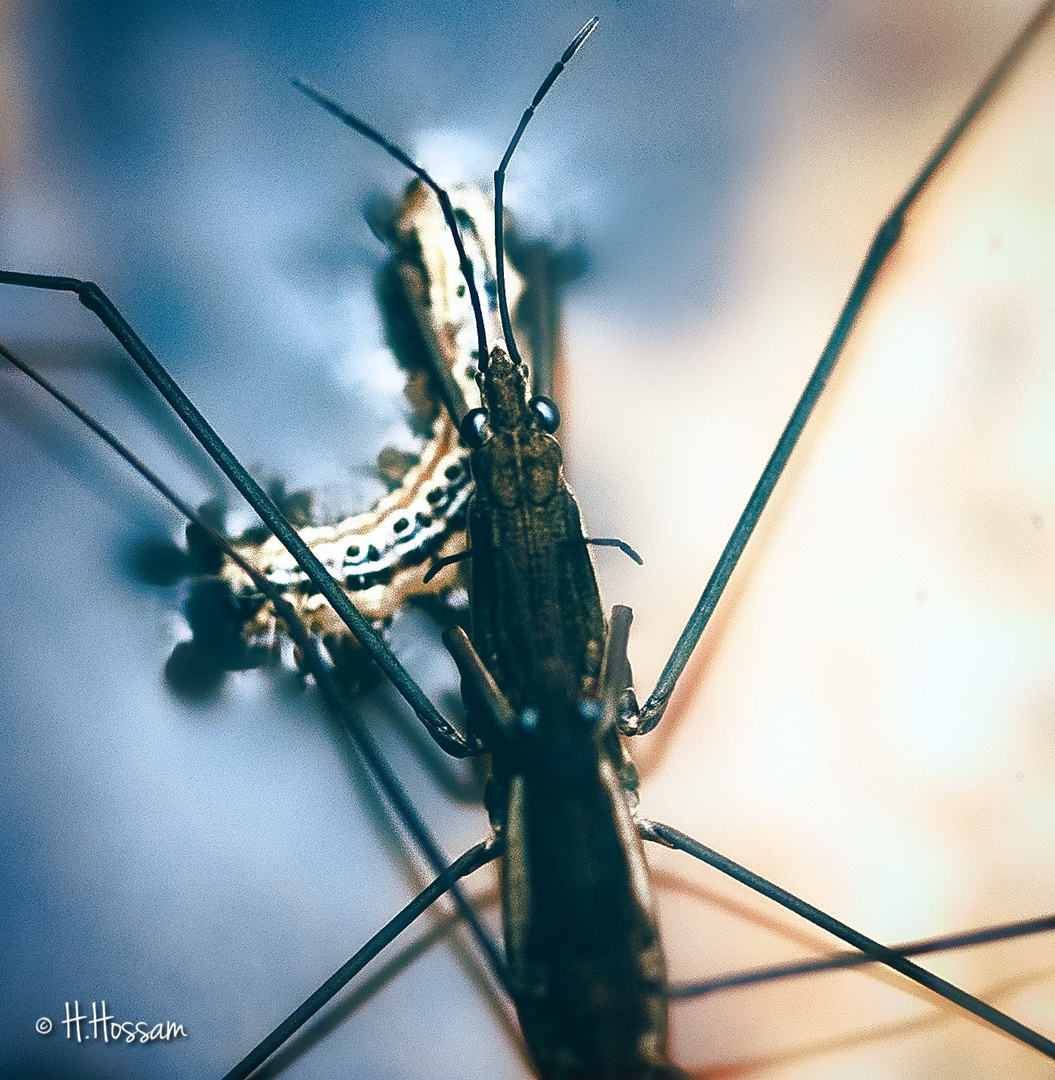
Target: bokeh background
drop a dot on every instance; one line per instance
(870, 720)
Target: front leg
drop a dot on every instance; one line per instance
(92, 297)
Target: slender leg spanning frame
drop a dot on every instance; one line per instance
(312, 662)
(701, 628)
(885, 241)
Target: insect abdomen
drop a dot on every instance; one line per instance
(585, 959)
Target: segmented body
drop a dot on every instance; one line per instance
(381, 555)
(586, 965)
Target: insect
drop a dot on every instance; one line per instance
(339, 904)
(380, 555)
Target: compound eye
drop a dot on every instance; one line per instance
(473, 428)
(546, 413)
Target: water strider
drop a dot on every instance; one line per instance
(642, 608)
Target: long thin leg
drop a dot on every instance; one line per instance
(93, 298)
(312, 662)
(944, 943)
(616, 675)
(882, 245)
(664, 834)
(615, 678)
(473, 859)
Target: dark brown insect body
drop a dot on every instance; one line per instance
(586, 967)
(534, 593)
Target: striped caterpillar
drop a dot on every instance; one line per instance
(380, 555)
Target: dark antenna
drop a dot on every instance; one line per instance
(500, 176)
(375, 136)
(401, 156)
